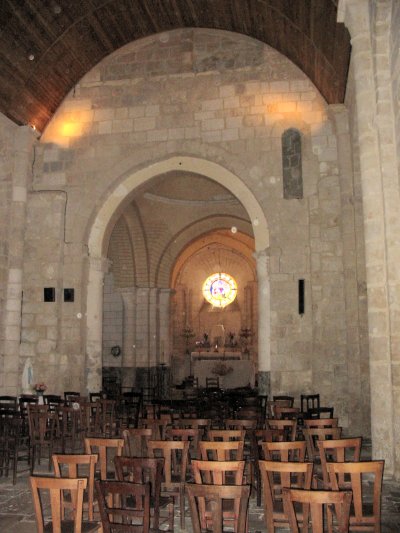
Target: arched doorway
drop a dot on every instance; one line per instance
(105, 221)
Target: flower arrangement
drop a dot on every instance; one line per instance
(221, 369)
(40, 387)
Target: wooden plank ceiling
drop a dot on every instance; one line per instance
(46, 46)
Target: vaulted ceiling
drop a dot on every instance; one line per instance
(46, 46)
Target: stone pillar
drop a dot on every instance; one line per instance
(129, 337)
(21, 179)
(165, 326)
(380, 191)
(355, 302)
(264, 321)
(98, 266)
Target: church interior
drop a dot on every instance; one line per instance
(197, 189)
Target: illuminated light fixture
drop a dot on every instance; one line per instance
(220, 289)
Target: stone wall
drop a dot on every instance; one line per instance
(222, 98)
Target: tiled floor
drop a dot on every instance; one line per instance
(17, 515)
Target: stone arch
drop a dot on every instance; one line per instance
(101, 226)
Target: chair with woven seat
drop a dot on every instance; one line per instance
(124, 506)
(56, 488)
(214, 498)
(360, 477)
(275, 476)
(338, 451)
(44, 432)
(104, 448)
(72, 466)
(313, 503)
(144, 470)
(175, 454)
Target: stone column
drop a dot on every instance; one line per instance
(98, 266)
(380, 191)
(165, 326)
(355, 301)
(21, 179)
(264, 322)
(129, 336)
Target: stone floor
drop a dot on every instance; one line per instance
(17, 515)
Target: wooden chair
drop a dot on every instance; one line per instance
(338, 451)
(214, 498)
(72, 464)
(70, 396)
(130, 406)
(244, 423)
(309, 401)
(261, 436)
(104, 447)
(143, 470)
(43, 431)
(212, 383)
(363, 516)
(105, 418)
(294, 451)
(313, 435)
(221, 451)
(313, 503)
(72, 427)
(14, 444)
(175, 455)
(191, 435)
(320, 412)
(275, 476)
(289, 427)
(124, 506)
(136, 440)
(56, 487)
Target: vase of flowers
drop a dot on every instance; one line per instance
(40, 389)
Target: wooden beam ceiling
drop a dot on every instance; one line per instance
(46, 46)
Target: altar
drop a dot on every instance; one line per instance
(237, 372)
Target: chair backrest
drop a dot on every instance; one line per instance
(124, 506)
(212, 383)
(8, 402)
(218, 472)
(269, 435)
(196, 423)
(361, 475)
(321, 422)
(226, 434)
(69, 396)
(136, 440)
(101, 447)
(284, 400)
(309, 401)
(192, 435)
(175, 455)
(313, 435)
(338, 451)
(221, 451)
(320, 412)
(215, 496)
(157, 425)
(244, 423)
(313, 503)
(289, 427)
(275, 476)
(294, 451)
(56, 486)
(72, 463)
(286, 412)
